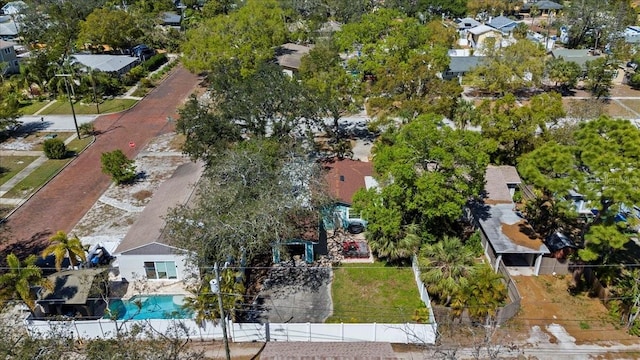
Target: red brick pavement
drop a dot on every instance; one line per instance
(65, 199)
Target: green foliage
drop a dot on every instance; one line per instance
(421, 315)
(204, 303)
(446, 264)
(86, 129)
(563, 73)
(64, 246)
(116, 164)
(17, 281)
(514, 128)
(601, 166)
(482, 295)
(9, 107)
(520, 31)
(509, 69)
(427, 173)
(54, 148)
(599, 77)
(247, 36)
(634, 80)
(114, 27)
(155, 62)
(595, 21)
(474, 244)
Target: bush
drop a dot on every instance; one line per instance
(55, 149)
(116, 164)
(155, 62)
(86, 129)
(474, 244)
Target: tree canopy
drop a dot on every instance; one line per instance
(247, 36)
(602, 166)
(427, 172)
(113, 27)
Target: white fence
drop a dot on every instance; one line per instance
(249, 332)
(240, 332)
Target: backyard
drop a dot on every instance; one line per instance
(62, 107)
(367, 293)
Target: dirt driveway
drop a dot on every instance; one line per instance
(65, 199)
(558, 317)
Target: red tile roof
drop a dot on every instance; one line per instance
(345, 177)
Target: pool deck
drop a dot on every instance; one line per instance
(156, 287)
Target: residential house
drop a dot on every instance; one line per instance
(345, 177)
(8, 28)
(77, 294)
(115, 64)
(13, 7)
(578, 56)
(544, 6)
(146, 250)
(289, 57)
(478, 35)
(506, 235)
(460, 65)
(307, 240)
(502, 24)
(8, 56)
(466, 24)
(171, 19)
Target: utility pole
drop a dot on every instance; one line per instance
(223, 318)
(73, 111)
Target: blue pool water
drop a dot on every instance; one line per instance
(142, 307)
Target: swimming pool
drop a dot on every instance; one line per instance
(142, 307)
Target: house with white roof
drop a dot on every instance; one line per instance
(503, 24)
(8, 28)
(13, 7)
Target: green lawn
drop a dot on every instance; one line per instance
(47, 170)
(11, 165)
(109, 106)
(37, 178)
(33, 107)
(366, 293)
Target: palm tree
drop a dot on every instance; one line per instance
(63, 245)
(20, 277)
(483, 295)
(447, 264)
(397, 249)
(204, 303)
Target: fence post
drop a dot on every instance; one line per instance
(342, 331)
(309, 328)
(374, 331)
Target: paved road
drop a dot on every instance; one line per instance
(65, 199)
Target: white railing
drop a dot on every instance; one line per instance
(424, 295)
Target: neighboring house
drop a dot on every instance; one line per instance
(545, 6)
(146, 250)
(309, 240)
(507, 237)
(8, 28)
(560, 245)
(9, 58)
(13, 7)
(289, 57)
(115, 64)
(345, 177)
(466, 24)
(579, 203)
(578, 56)
(502, 24)
(171, 19)
(76, 294)
(460, 65)
(479, 34)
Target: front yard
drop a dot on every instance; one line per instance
(367, 293)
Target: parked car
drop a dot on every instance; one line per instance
(142, 51)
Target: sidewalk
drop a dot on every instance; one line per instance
(6, 187)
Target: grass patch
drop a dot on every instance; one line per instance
(366, 293)
(77, 146)
(37, 178)
(11, 165)
(32, 107)
(113, 105)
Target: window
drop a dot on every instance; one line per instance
(160, 269)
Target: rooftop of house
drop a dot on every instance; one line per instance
(461, 64)
(507, 232)
(501, 22)
(569, 53)
(467, 23)
(290, 55)
(542, 5)
(482, 29)
(171, 17)
(71, 287)
(8, 27)
(347, 176)
(13, 7)
(497, 181)
(177, 190)
(105, 62)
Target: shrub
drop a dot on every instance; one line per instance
(116, 164)
(86, 129)
(474, 244)
(55, 148)
(155, 62)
